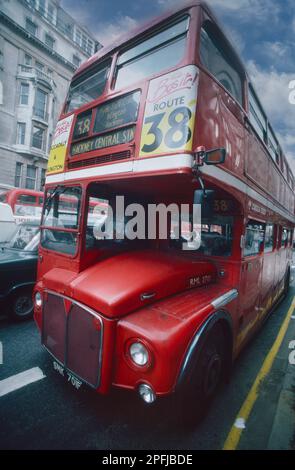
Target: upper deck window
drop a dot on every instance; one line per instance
(273, 146)
(161, 51)
(218, 60)
(87, 88)
(257, 116)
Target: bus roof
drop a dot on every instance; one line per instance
(125, 38)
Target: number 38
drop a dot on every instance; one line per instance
(178, 133)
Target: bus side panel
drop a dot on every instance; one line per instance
(219, 123)
(268, 282)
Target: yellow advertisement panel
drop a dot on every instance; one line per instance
(170, 110)
(57, 155)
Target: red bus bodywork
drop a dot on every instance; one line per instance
(94, 303)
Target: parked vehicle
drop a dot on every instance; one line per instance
(26, 204)
(7, 222)
(18, 266)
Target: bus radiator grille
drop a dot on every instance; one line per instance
(98, 160)
(73, 338)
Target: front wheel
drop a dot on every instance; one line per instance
(21, 306)
(193, 400)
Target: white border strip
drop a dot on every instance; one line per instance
(167, 162)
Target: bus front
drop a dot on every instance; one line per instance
(108, 302)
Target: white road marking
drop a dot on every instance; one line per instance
(20, 380)
(240, 423)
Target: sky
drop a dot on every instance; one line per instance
(263, 32)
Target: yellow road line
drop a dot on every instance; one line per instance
(235, 433)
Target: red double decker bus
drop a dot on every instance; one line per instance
(167, 116)
(26, 204)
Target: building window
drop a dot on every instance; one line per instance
(32, 3)
(31, 27)
(24, 93)
(38, 137)
(18, 174)
(1, 60)
(31, 177)
(21, 133)
(78, 37)
(40, 104)
(89, 46)
(42, 180)
(84, 42)
(49, 41)
(39, 66)
(28, 59)
(76, 60)
(50, 13)
(42, 8)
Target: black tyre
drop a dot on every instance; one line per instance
(194, 399)
(21, 305)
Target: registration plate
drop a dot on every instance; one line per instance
(68, 375)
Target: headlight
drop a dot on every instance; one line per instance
(38, 299)
(139, 354)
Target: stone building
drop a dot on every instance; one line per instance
(41, 45)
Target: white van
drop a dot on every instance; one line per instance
(7, 222)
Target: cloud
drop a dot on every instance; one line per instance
(235, 39)
(110, 31)
(244, 10)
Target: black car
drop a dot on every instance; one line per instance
(18, 268)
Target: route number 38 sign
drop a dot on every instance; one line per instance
(170, 112)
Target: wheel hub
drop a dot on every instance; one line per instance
(23, 306)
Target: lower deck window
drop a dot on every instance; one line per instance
(61, 219)
(215, 235)
(254, 238)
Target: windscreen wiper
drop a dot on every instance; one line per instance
(58, 190)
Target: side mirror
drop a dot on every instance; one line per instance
(215, 157)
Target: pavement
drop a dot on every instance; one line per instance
(46, 412)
